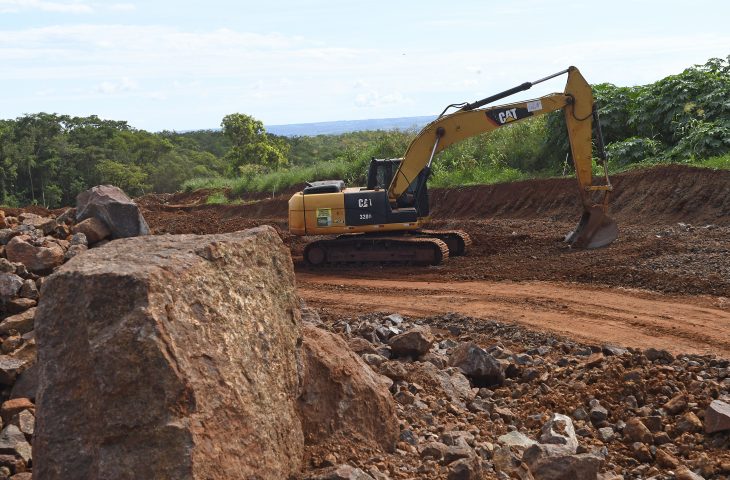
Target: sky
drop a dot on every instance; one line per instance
(184, 65)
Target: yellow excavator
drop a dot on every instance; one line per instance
(384, 221)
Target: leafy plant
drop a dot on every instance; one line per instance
(633, 150)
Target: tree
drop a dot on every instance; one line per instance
(251, 144)
(129, 178)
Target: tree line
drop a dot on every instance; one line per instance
(47, 159)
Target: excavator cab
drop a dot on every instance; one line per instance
(380, 176)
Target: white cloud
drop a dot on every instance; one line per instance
(290, 78)
(113, 87)
(12, 6)
(100, 51)
(374, 99)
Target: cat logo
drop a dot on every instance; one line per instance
(507, 116)
(503, 116)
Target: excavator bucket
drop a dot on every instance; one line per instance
(595, 230)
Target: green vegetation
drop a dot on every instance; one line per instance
(48, 159)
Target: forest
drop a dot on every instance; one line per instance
(47, 159)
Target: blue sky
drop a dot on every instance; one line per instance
(184, 65)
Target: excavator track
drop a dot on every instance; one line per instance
(458, 240)
(377, 249)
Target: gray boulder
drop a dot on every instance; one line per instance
(10, 285)
(481, 367)
(112, 206)
(13, 441)
(341, 472)
(559, 430)
(412, 343)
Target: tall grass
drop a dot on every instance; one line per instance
(507, 154)
(279, 180)
(481, 175)
(722, 162)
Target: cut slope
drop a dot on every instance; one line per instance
(658, 195)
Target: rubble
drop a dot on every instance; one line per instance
(636, 431)
(630, 416)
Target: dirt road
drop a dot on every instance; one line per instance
(595, 315)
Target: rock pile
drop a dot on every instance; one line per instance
(32, 246)
(202, 331)
(482, 399)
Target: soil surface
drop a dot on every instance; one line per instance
(593, 315)
(664, 283)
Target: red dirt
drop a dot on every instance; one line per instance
(517, 230)
(656, 196)
(592, 315)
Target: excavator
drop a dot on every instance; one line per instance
(384, 221)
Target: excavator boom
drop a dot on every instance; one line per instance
(595, 228)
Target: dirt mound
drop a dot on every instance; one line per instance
(657, 195)
(199, 197)
(660, 195)
(205, 219)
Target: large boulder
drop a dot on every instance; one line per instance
(170, 357)
(112, 206)
(342, 397)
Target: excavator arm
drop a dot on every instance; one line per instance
(595, 228)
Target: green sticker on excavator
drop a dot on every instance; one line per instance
(324, 217)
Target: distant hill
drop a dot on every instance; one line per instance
(345, 126)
